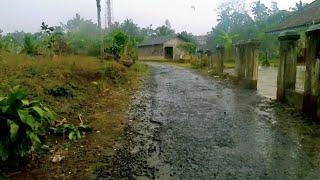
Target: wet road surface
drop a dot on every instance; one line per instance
(212, 131)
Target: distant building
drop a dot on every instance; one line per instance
(309, 15)
(162, 47)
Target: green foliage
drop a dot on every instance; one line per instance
(11, 45)
(68, 129)
(115, 43)
(164, 31)
(82, 36)
(55, 40)
(236, 24)
(184, 35)
(62, 91)
(260, 11)
(114, 72)
(199, 63)
(132, 29)
(1, 46)
(23, 123)
(190, 48)
(29, 45)
(141, 68)
(131, 50)
(73, 132)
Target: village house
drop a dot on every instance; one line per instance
(163, 47)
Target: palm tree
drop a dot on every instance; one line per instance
(300, 5)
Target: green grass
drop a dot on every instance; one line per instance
(230, 64)
(274, 62)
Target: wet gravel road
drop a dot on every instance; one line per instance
(212, 131)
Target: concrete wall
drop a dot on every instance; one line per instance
(158, 50)
(177, 53)
(155, 50)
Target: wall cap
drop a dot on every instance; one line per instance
(289, 35)
(313, 29)
(252, 43)
(220, 47)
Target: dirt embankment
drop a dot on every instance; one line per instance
(74, 88)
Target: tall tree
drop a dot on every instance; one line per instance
(99, 12)
(131, 29)
(99, 25)
(299, 5)
(165, 30)
(274, 7)
(260, 11)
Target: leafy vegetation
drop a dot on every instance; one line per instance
(190, 48)
(116, 43)
(23, 123)
(114, 72)
(237, 22)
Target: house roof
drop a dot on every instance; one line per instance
(157, 40)
(307, 16)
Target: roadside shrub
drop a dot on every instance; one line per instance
(116, 43)
(199, 63)
(63, 91)
(23, 123)
(190, 48)
(114, 72)
(131, 51)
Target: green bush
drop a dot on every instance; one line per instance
(190, 48)
(114, 71)
(29, 45)
(116, 43)
(23, 123)
(199, 63)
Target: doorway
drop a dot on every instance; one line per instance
(168, 53)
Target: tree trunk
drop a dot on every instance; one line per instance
(100, 28)
(99, 13)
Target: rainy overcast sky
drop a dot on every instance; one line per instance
(27, 15)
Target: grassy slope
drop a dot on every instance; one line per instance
(96, 100)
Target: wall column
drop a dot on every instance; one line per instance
(311, 97)
(221, 58)
(240, 60)
(251, 55)
(288, 64)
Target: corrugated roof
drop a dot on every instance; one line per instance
(309, 15)
(156, 40)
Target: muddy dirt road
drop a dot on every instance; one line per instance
(201, 129)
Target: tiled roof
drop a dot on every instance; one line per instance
(156, 40)
(308, 16)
